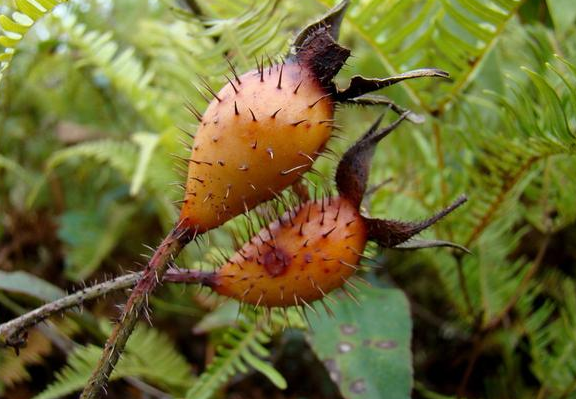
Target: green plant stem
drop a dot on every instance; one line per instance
(135, 306)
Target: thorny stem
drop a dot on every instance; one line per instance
(66, 345)
(12, 333)
(135, 306)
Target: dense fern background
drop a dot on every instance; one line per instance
(91, 102)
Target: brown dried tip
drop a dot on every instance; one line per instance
(351, 180)
(395, 233)
(331, 20)
(316, 46)
(354, 167)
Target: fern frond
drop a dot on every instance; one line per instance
(551, 330)
(125, 71)
(140, 166)
(248, 34)
(455, 35)
(14, 28)
(120, 155)
(150, 355)
(242, 347)
(13, 367)
(189, 47)
(18, 170)
(536, 126)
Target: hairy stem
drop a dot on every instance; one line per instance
(135, 306)
(12, 333)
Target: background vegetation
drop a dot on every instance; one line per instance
(89, 113)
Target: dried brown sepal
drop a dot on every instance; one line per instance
(415, 243)
(323, 56)
(352, 179)
(394, 233)
(331, 21)
(353, 169)
(360, 85)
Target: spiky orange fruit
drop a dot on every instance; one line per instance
(316, 247)
(297, 259)
(258, 135)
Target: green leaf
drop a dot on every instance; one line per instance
(20, 23)
(242, 347)
(91, 235)
(147, 143)
(22, 173)
(563, 14)
(454, 35)
(149, 355)
(224, 316)
(366, 347)
(28, 284)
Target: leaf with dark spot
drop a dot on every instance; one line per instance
(366, 348)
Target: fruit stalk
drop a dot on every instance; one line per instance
(13, 332)
(154, 272)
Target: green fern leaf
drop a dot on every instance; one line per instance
(121, 156)
(18, 170)
(551, 328)
(125, 71)
(14, 28)
(455, 35)
(202, 46)
(242, 347)
(150, 355)
(536, 127)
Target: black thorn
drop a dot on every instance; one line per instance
(210, 90)
(253, 116)
(280, 77)
(275, 113)
(299, 122)
(236, 109)
(297, 87)
(193, 111)
(233, 70)
(317, 101)
(270, 63)
(325, 235)
(187, 133)
(232, 84)
(257, 64)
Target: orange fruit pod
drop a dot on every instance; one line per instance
(265, 128)
(315, 248)
(259, 134)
